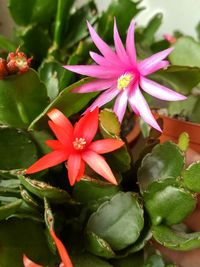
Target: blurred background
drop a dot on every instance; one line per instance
(176, 15)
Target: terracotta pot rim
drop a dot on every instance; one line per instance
(194, 124)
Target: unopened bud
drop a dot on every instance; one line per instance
(3, 68)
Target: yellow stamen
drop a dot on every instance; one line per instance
(79, 143)
(124, 81)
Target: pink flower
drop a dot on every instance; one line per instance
(66, 262)
(170, 38)
(75, 145)
(121, 76)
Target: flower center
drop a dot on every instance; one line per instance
(124, 81)
(79, 143)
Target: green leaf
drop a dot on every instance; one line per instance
(67, 102)
(119, 160)
(184, 108)
(133, 260)
(9, 209)
(89, 189)
(186, 52)
(77, 22)
(165, 161)
(181, 79)
(62, 20)
(183, 141)
(42, 189)
(36, 40)
(98, 246)
(17, 150)
(6, 44)
(154, 261)
(148, 34)
(124, 11)
(121, 214)
(161, 198)
(50, 73)
(26, 12)
(22, 98)
(191, 177)
(88, 260)
(109, 124)
(29, 199)
(20, 237)
(176, 240)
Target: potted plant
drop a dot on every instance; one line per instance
(61, 202)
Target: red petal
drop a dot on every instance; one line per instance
(99, 165)
(54, 144)
(73, 165)
(49, 160)
(105, 145)
(81, 171)
(87, 126)
(63, 137)
(61, 120)
(62, 250)
(29, 263)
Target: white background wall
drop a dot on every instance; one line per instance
(178, 14)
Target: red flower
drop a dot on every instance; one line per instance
(76, 146)
(18, 62)
(3, 68)
(66, 262)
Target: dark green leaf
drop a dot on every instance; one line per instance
(89, 189)
(9, 209)
(88, 260)
(191, 177)
(165, 161)
(161, 198)
(67, 102)
(16, 149)
(77, 22)
(133, 260)
(26, 12)
(176, 240)
(181, 79)
(148, 34)
(121, 214)
(20, 237)
(98, 246)
(42, 189)
(22, 98)
(36, 41)
(124, 11)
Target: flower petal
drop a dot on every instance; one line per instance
(121, 104)
(99, 165)
(81, 171)
(105, 50)
(137, 100)
(73, 165)
(121, 52)
(93, 86)
(148, 65)
(105, 145)
(54, 144)
(28, 263)
(159, 91)
(87, 126)
(102, 61)
(62, 250)
(130, 42)
(94, 71)
(52, 159)
(61, 120)
(104, 98)
(63, 137)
